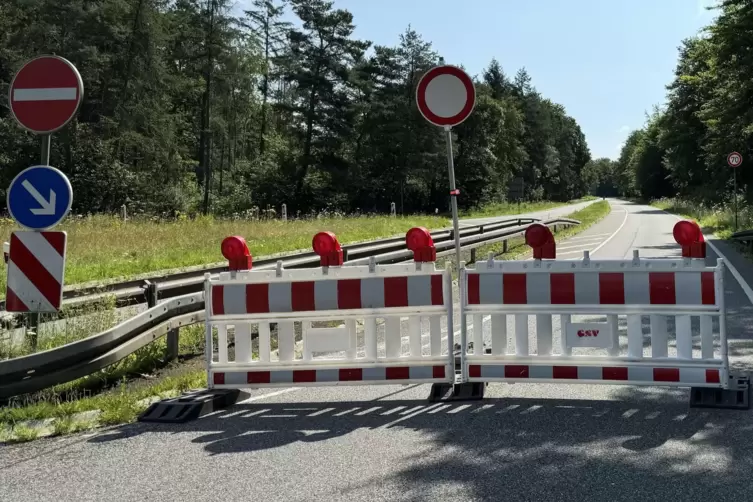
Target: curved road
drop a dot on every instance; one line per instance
(523, 442)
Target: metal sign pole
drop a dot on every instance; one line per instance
(456, 232)
(453, 195)
(46, 143)
(735, 195)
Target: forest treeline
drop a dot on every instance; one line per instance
(191, 106)
(682, 149)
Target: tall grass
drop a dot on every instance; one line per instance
(106, 247)
(713, 218)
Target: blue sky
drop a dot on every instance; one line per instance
(606, 61)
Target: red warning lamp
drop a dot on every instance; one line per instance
(541, 239)
(328, 248)
(236, 252)
(418, 240)
(688, 235)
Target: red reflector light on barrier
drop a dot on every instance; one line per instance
(418, 240)
(236, 252)
(328, 248)
(541, 239)
(690, 237)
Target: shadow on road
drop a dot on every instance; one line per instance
(526, 449)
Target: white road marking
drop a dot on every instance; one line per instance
(585, 245)
(270, 394)
(613, 234)
(586, 237)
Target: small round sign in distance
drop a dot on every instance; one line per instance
(39, 197)
(734, 159)
(446, 96)
(45, 94)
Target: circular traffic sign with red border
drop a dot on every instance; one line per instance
(734, 159)
(446, 96)
(45, 94)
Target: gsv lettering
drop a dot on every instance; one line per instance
(588, 332)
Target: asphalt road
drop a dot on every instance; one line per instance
(522, 442)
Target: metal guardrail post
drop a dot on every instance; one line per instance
(473, 255)
(504, 246)
(172, 336)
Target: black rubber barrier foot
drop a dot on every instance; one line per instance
(472, 391)
(189, 406)
(737, 397)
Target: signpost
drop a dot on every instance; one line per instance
(44, 96)
(735, 160)
(35, 272)
(445, 97)
(39, 197)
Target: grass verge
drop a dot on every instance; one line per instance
(118, 394)
(510, 208)
(105, 248)
(517, 247)
(718, 219)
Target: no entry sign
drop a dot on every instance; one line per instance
(45, 94)
(446, 96)
(734, 159)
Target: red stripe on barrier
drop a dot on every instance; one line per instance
(516, 371)
(304, 376)
(56, 240)
(514, 289)
(712, 376)
(35, 271)
(614, 373)
(474, 292)
(258, 377)
(349, 294)
(562, 287)
(397, 373)
(437, 291)
(611, 288)
(218, 300)
(218, 378)
(257, 298)
(437, 372)
(708, 291)
(13, 303)
(474, 371)
(351, 375)
(661, 287)
(395, 291)
(302, 296)
(565, 372)
(666, 374)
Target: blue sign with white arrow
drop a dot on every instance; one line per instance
(40, 197)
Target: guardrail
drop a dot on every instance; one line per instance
(34, 372)
(171, 285)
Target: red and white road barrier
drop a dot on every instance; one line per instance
(325, 309)
(587, 299)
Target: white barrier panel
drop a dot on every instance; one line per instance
(579, 309)
(356, 316)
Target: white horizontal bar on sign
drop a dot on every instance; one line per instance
(528, 266)
(50, 94)
(589, 360)
(669, 310)
(336, 315)
(300, 364)
(327, 339)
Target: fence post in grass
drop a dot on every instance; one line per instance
(393, 210)
(124, 212)
(284, 212)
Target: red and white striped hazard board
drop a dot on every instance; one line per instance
(36, 268)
